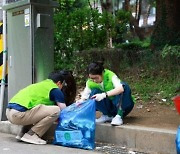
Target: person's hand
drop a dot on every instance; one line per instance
(99, 97)
(79, 101)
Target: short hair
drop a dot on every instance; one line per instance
(95, 68)
(56, 76)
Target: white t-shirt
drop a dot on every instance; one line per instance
(85, 94)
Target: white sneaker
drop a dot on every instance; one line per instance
(103, 119)
(18, 137)
(34, 139)
(117, 121)
(22, 131)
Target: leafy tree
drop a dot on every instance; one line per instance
(71, 5)
(75, 31)
(121, 26)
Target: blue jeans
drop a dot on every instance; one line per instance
(110, 107)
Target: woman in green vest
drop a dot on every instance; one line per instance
(37, 106)
(113, 97)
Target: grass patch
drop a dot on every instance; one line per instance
(147, 87)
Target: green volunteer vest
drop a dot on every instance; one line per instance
(35, 94)
(107, 82)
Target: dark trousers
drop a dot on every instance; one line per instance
(110, 106)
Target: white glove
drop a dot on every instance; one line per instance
(99, 97)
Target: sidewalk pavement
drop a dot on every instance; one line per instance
(144, 139)
(9, 145)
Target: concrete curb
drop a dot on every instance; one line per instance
(144, 139)
(7, 127)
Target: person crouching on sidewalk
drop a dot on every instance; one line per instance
(37, 107)
(113, 97)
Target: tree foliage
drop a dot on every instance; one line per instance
(82, 33)
(84, 28)
(79, 26)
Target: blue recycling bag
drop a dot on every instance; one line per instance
(76, 127)
(178, 141)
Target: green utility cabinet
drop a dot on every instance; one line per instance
(30, 42)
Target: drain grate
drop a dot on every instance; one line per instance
(114, 149)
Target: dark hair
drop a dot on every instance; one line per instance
(56, 76)
(95, 68)
(69, 90)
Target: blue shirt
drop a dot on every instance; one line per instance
(56, 95)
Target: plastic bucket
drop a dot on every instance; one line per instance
(176, 101)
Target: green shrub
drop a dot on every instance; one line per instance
(135, 45)
(172, 51)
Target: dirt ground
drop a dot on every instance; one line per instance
(153, 115)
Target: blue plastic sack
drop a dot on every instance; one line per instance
(178, 141)
(76, 127)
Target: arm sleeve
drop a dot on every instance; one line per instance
(56, 95)
(116, 81)
(86, 93)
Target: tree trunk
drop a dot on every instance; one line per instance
(167, 28)
(107, 7)
(173, 13)
(145, 11)
(127, 5)
(134, 23)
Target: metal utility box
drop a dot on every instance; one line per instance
(30, 42)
